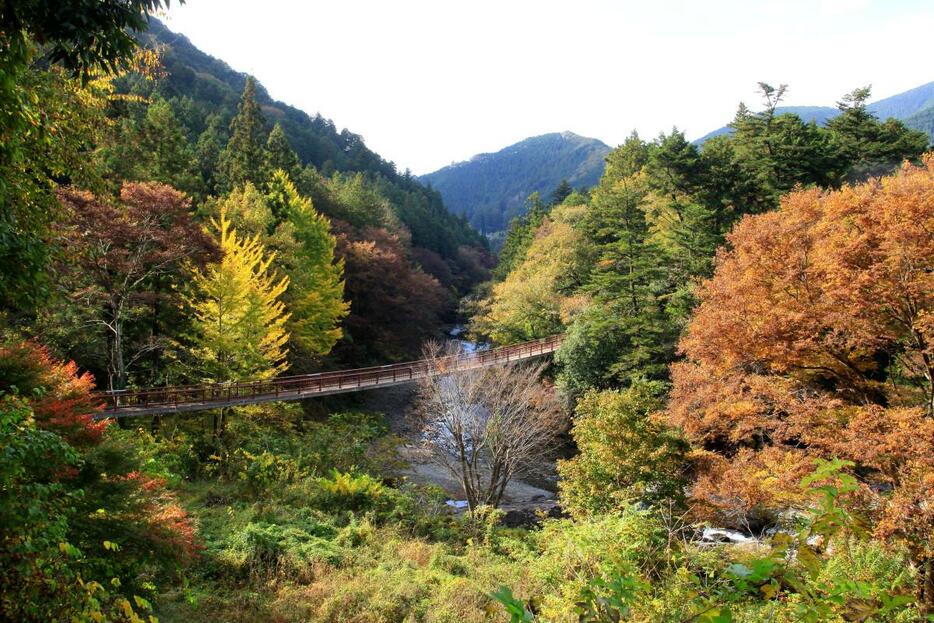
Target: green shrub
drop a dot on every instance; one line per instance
(624, 456)
(264, 471)
(292, 550)
(342, 492)
(571, 554)
(346, 441)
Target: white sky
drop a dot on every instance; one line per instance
(429, 82)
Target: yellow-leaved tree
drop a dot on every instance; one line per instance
(538, 297)
(315, 295)
(239, 322)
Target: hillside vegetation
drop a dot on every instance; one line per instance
(491, 189)
(745, 389)
(911, 107)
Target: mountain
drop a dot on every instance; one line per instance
(491, 189)
(914, 107)
(905, 105)
(199, 85)
(922, 120)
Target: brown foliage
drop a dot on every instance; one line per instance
(394, 303)
(830, 290)
(815, 337)
(124, 254)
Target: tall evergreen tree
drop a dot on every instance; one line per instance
(208, 151)
(519, 236)
(780, 151)
(243, 159)
(239, 327)
(870, 147)
(170, 157)
(624, 334)
(280, 155)
(561, 192)
(152, 147)
(684, 226)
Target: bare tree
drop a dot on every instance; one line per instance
(486, 425)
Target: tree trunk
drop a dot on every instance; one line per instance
(117, 365)
(224, 412)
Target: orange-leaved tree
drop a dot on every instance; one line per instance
(70, 497)
(815, 337)
(60, 396)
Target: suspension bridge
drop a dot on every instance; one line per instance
(182, 399)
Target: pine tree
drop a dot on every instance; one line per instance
(243, 159)
(780, 151)
(167, 156)
(316, 288)
(239, 327)
(870, 147)
(208, 151)
(624, 334)
(280, 155)
(151, 146)
(561, 192)
(519, 236)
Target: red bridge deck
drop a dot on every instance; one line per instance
(136, 403)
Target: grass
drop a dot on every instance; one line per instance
(306, 527)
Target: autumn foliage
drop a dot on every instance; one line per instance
(815, 337)
(394, 303)
(126, 258)
(60, 395)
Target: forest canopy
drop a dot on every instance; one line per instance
(745, 362)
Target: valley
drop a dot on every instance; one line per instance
(252, 370)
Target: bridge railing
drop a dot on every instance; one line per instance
(316, 383)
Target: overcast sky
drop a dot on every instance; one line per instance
(429, 82)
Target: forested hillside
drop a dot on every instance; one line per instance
(733, 313)
(190, 121)
(204, 92)
(737, 425)
(913, 107)
(491, 189)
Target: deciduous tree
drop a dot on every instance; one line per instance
(813, 338)
(239, 320)
(486, 426)
(125, 255)
(315, 295)
(625, 455)
(393, 303)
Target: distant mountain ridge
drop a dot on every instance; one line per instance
(915, 108)
(490, 189)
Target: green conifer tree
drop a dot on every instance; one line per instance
(871, 147)
(280, 155)
(624, 334)
(208, 151)
(243, 159)
(561, 192)
(167, 156)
